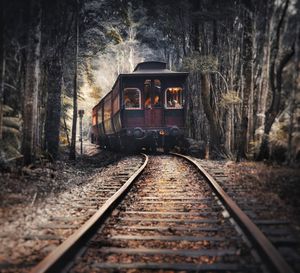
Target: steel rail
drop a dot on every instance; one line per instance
(274, 260)
(57, 260)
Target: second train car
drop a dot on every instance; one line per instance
(144, 109)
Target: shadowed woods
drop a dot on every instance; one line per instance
(242, 94)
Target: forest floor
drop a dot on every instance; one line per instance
(280, 182)
(28, 195)
(32, 195)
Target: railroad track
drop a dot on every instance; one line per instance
(269, 214)
(172, 220)
(46, 224)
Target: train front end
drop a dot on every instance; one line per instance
(153, 107)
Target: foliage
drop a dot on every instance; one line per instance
(11, 123)
(229, 99)
(10, 144)
(200, 63)
(7, 109)
(114, 34)
(278, 136)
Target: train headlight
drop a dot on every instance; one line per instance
(162, 132)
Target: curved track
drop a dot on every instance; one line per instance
(254, 234)
(171, 220)
(56, 260)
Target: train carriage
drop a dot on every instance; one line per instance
(144, 109)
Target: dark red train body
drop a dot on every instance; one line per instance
(144, 109)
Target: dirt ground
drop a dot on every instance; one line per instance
(33, 183)
(30, 195)
(283, 182)
(27, 188)
(37, 182)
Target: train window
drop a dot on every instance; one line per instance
(94, 120)
(107, 107)
(116, 98)
(152, 91)
(100, 110)
(173, 97)
(157, 94)
(132, 98)
(116, 104)
(147, 92)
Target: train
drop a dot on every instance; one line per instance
(145, 109)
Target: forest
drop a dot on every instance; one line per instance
(61, 56)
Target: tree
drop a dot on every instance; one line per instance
(247, 58)
(32, 82)
(2, 65)
(249, 43)
(277, 65)
(59, 34)
(214, 129)
(74, 123)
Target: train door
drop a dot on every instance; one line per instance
(153, 103)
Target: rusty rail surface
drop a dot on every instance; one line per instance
(254, 234)
(58, 259)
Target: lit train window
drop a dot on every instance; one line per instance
(107, 107)
(157, 94)
(100, 111)
(147, 92)
(173, 98)
(152, 91)
(132, 98)
(94, 120)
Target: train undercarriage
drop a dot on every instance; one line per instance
(132, 140)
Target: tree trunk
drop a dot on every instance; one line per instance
(74, 123)
(52, 124)
(275, 84)
(2, 63)
(263, 90)
(215, 136)
(291, 153)
(190, 121)
(58, 41)
(250, 127)
(32, 83)
(196, 33)
(229, 130)
(263, 77)
(2, 66)
(66, 132)
(247, 58)
(183, 32)
(275, 106)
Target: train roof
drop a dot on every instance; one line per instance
(153, 68)
(150, 65)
